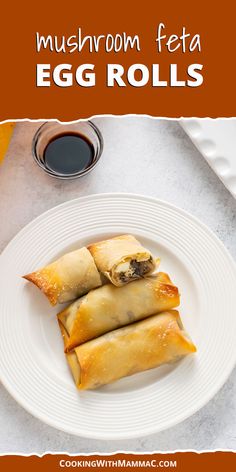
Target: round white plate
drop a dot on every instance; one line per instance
(32, 363)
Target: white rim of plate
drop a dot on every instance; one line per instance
(171, 422)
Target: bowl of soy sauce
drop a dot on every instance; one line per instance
(67, 151)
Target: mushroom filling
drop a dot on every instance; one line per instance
(136, 269)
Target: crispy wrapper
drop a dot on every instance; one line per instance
(69, 277)
(107, 308)
(122, 259)
(150, 343)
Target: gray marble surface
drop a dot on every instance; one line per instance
(141, 155)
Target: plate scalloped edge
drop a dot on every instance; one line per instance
(216, 141)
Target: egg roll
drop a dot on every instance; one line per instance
(107, 308)
(158, 340)
(68, 278)
(122, 259)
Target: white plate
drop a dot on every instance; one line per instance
(32, 363)
(216, 140)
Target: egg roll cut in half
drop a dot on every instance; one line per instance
(122, 259)
(109, 307)
(69, 277)
(144, 345)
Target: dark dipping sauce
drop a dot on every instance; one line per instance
(68, 153)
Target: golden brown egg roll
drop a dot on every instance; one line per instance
(109, 307)
(150, 343)
(122, 259)
(69, 277)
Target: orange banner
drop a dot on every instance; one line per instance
(158, 58)
(179, 461)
